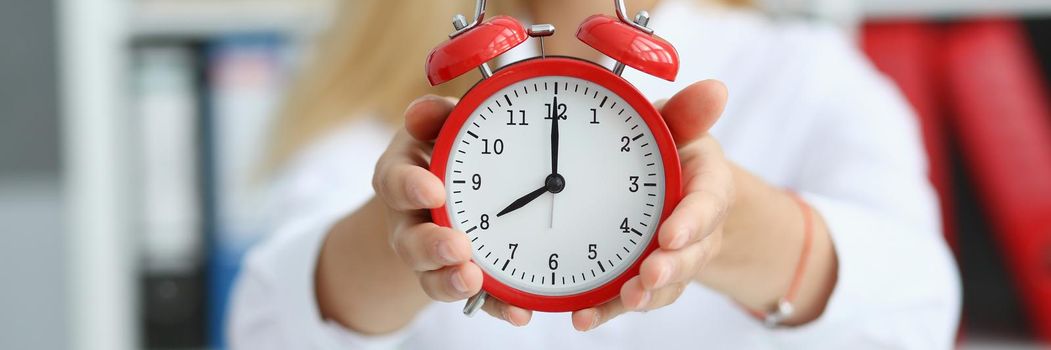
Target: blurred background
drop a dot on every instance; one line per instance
(129, 130)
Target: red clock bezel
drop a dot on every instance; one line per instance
(569, 67)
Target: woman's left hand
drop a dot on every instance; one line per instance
(690, 237)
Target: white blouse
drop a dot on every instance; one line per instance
(806, 111)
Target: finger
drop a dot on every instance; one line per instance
(514, 315)
(693, 110)
(425, 116)
(590, 318)
(694, 219)
(666, 267)
(636, 298)
(709, 192)
(426, 246)
(452, 283)
(659, 104)
(404, 186)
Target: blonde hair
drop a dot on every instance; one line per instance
(370, 62)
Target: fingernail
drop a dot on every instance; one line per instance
(458, 283)
(645, 300)
(594, 321)
(680, 239)
(662, 276)
(445, 252)
(507, 317)
(417, 101)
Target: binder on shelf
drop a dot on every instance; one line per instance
(164, 121)
(1003, 122)
(245, 77)
(908, 52)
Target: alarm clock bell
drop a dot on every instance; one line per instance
(628, 42)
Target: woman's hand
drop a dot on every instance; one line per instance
(691, 236)
(440, 256)
(749, 264)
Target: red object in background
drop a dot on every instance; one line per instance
(1003, 120)
(908, 52)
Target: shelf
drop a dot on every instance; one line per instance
(953, 8)
(208, 17)
(192, 18)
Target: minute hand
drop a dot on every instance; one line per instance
(521, 202)
(554, 136)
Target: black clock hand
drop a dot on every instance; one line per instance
(554, 136)
(521, 202)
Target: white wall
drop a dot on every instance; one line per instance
(33, 307)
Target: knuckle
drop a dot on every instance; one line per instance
(436, 285)
(494, 310)
(670, 295)
(411, 244)
(379, 179)
(402, 250)
(392, 242)
(677, 290)
(434, 292)
(717, 203)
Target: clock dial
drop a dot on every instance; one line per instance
(551, 234)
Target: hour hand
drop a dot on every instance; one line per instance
(521, 202)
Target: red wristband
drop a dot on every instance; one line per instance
(784, 307)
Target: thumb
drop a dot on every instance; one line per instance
(425, 116)
(691, 112)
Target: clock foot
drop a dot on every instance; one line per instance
(474, 303)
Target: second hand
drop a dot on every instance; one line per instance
(552, 212)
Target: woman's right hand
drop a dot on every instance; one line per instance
(440, 256)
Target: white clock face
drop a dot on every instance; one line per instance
(555, 234)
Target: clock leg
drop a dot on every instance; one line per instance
(474, 303)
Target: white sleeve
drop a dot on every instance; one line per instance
(273, 305)
(863, 168)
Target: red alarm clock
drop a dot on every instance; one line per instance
(558, 170)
